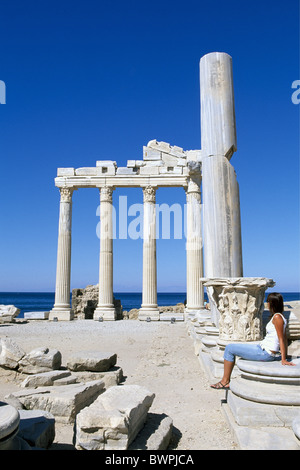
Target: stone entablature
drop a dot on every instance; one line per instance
(166, 165)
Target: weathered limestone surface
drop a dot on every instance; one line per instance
(155, 435)
(114, 419)
(45, 379)
(36, 361)
(64, 402)
(95, 361)
(8, 313)
(10, 353)
(40, 360)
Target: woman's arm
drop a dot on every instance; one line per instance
(278, 323)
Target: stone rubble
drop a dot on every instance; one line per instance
(87, 393)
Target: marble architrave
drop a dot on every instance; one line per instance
(240, 303)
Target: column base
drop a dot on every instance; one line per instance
(148, 312)
(62, 314)
(197, 313)
(106, 313)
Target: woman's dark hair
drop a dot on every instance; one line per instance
(276, 302)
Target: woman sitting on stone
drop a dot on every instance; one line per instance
(266, 350)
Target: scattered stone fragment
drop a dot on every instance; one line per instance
(63, 401)
(10, 353)
(8, 313)
(36, 315)
(155, 435)
(113, 421)
(40, 360)
(95, 361)
(45, 378)
(112, 377)
(37, 427)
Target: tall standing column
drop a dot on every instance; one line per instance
(105, 308)
(149, 308)
(221, 205)
(194, 248)
(62, 309)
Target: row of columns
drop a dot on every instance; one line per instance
(149, 308)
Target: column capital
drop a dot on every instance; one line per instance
(106, 193)
(193, 190)
(149, 194)
(66, 194)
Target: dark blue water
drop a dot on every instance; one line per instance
(39, 301)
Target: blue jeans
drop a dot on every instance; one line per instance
(251, 352)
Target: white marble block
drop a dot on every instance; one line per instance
(114, 419)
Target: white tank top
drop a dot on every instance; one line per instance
(271, 341)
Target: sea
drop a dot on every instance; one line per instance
(44, 301)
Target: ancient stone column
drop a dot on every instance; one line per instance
(149, 308)
(105, 307)
(62, 309)
(194, 248)
(221, 206)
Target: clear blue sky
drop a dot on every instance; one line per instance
(91, 80)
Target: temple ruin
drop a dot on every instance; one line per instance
(207, 170)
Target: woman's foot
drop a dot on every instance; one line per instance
(221, 386)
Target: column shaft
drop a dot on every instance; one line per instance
(194, 248)
(149, 306)
(222, 224)
(62, 309)
(105, 308)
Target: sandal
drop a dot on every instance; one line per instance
(220, 386)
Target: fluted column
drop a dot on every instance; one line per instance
(62, 309)
(194, 248)
(105, 308)
(149, 308)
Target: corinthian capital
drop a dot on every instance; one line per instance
(193, 191)
(149, 194)
(66, 194)
(106, 193)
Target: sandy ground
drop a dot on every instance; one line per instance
(157, 355)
